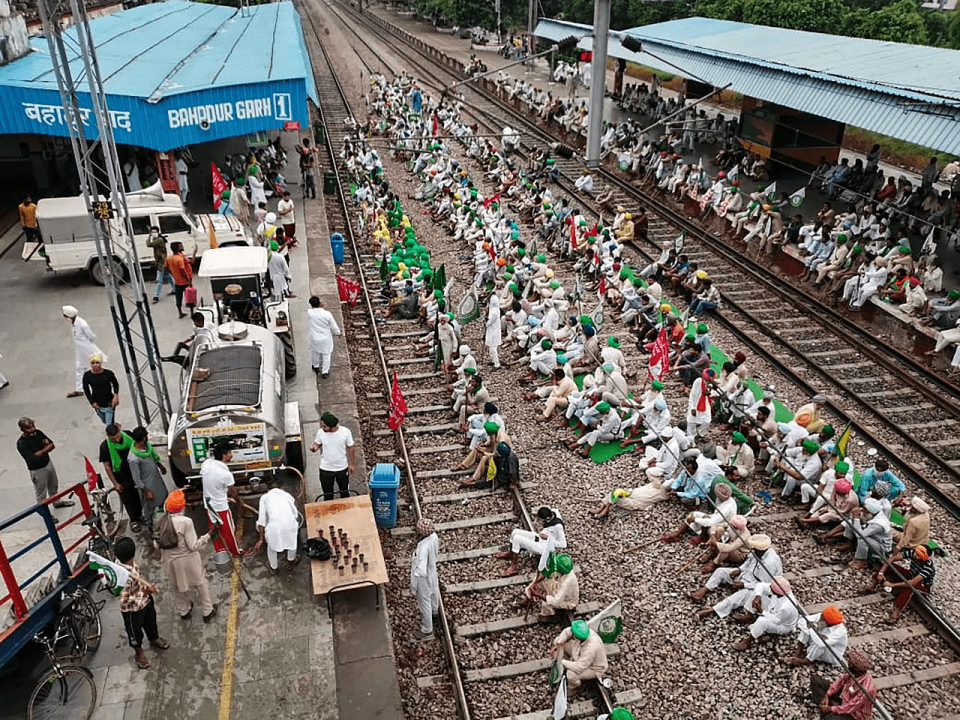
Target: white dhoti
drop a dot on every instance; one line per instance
(526, 540)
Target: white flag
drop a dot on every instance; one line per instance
(734, 173)
(771, 191)
(796, 200)
(560, 704)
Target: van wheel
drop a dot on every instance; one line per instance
(289, 355)
(97, 274)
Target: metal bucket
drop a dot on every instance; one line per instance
(223, 561)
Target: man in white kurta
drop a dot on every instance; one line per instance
(699, 407)
(493, 335)
(278, 525)
(823, 638)
(559, 591)
(84, 345)
(321, 327)
(551, 538)
(762, 565)
(279, 272)
(424, 582)
(779, 615)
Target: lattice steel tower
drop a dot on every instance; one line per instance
(91, 135)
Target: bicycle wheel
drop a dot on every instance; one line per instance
(85, 613)
(67, 693)
(111, 513)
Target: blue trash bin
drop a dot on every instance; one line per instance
(336, 245)
(384, 482)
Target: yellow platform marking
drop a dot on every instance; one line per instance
(230, 640)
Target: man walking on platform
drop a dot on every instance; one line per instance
(321, 327)
(178, 265)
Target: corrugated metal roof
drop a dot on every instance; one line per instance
(909, 92)
(166, 48)
(175, 73)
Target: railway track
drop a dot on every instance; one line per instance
(429, 489)
(428, 435)
(819, 348)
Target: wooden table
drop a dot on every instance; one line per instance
(353, 515)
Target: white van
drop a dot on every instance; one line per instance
(68, 237)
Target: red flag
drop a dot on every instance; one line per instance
(436, 123)
(573, 236)
(348, 290)
(398, 405)
(219, 185)
(490, 200)
(92, 477)
(659, 356)
(602, 287)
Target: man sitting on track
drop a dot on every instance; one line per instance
(556, 587)
(585, 650)
(823, 638)
(552, 537)
(762, 565)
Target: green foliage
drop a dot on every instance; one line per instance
(952, 39)
(900, 22)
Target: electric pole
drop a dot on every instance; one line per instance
(601, 32)
(101, 186)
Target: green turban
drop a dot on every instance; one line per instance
(491, 427)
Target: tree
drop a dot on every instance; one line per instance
(953, 30)
(900, 22)
(824, 16)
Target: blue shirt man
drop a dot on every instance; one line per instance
(879, 471)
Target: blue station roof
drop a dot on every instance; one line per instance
(175, 73)
(910, 92)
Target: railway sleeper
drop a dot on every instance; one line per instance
(497, 519)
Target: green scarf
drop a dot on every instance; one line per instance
(125, 443)
(148, 453)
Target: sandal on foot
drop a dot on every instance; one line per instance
(143, 664)
(160, 644)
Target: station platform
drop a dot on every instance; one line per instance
(276, 654)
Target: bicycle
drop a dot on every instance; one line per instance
(106, 520)
(68, 690)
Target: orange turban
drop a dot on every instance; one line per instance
(832, 615)
(176, 502)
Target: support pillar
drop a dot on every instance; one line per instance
(601, 33)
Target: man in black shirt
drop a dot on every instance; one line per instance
(102, 389)
(113, 454)
(35, 448)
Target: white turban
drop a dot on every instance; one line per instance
(70, 311)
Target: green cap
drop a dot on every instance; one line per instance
(510, 268)
(953, 294)
(842, 238)
(691, 337)
(738, 437)
(826, 431)
(586, 320)
(554, 284)
(603, 407)
(656, 385)
(810, 446)
(437, 294)
(580, 630)
(613, 342)
(564, 564)
(702, 328)
(546, 344)
(507, 276)
(491, 427)
(637, 282)
(521, 252)
(541, 258)
(842, 467)
(624, 273)
(623, 713)
(512, 287)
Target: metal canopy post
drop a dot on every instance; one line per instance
(598, 81)
(100, 176)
